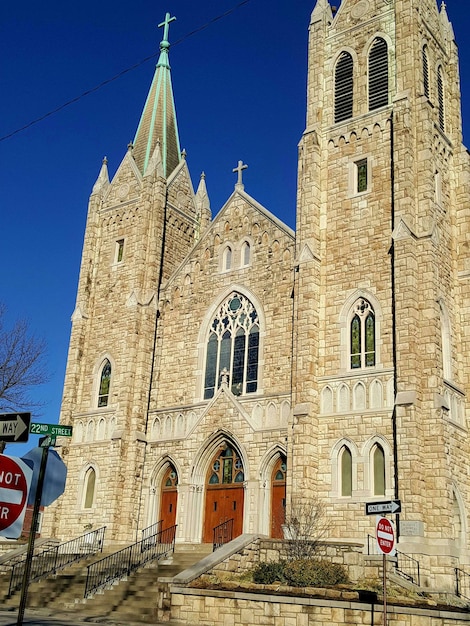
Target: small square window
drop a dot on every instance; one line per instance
(362, 177)
(119, 250)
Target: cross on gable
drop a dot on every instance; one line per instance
(241, 166)
(166, 24)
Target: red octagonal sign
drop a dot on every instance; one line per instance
(385, 534)
(15, 479)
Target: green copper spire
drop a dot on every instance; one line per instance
(158, 120)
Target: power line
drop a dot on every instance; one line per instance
(116, 76)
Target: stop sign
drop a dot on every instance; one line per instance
(385, 534)
(15, 478)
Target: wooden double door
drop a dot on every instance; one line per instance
(225, 493)
(169, 498)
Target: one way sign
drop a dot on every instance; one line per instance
(14, 427)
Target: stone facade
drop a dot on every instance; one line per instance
(361, 317)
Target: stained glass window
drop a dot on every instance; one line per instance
(346, 472)
(379, 471)
(361, 176)
(105, 380)
(233, 347)
(226, 468)
(362, 335)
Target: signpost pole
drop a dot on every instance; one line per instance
(32, 537)
(385, 588)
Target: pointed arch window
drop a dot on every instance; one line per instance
(440, 98)
(344, 86)
(378, 460)
(362, 335)
(346, 471)
(105, 381)
(226, 468)
(246, 254)
(227, 258)
(425, 72)
(233, 348)
(89, 485)
(378, 74)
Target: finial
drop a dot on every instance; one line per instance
(241, 166)
(203, 175)
(130, 146)
(105, 160)
(183, 154)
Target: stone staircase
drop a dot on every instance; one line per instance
(134, 599)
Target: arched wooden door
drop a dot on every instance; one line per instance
(169, 498)
(224, 492)
(278, 498)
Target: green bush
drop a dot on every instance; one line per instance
(314, 573)
(269, 573)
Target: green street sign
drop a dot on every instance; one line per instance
(54, 430)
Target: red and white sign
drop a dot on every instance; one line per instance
(15, 479)
(385, 533)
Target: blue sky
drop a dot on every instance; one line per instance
(239, 88)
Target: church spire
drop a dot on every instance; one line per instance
(158, 120)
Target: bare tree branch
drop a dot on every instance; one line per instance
(22, 364)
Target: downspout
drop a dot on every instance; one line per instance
(394, 320)
(154, 350)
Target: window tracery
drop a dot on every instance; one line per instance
(362, 335)
(233, 347)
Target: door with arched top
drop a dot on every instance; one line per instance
(224, 492)
(169, 497)
(278, 498)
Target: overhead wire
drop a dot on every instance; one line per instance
(121, 73)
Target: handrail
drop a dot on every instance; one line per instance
(51, 560)
(462, 583)
(123, 562)
(223, 533)
(152, 530)
(406, 565)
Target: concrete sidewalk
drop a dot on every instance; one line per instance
(40, 618)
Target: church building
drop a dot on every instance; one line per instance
(229, 368)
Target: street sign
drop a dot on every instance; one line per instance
(14, 427)
(379, 508)
(55, 476)
(55, 430)
(15, 479)
(385, 534)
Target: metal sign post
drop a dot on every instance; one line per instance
(32, 537)
(385, 534)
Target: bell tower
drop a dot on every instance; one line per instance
(379, 371)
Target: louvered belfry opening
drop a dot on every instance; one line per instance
(344, 88)
(425, 72)
(440, 96)
(378, 75)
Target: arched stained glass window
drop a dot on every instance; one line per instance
(246, 254)
(344, 96)
(346, 471)
(378, 74)
(105, 380)
(227, 258)
(362, 335)
(233, 347)
(226, 468)
(89, 488)
(379, 471)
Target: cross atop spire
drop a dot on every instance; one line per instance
(240, 169)
(166, 24)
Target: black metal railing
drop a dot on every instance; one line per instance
(462, 584)
(152, 531)
(223, 533)
(123, 562)
(53, 559)
(406, 566)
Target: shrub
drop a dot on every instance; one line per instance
(314, 573)
(269, 573)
